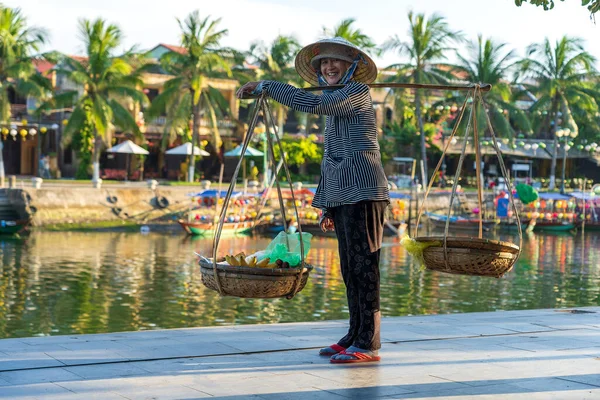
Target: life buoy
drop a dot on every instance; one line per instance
(162, 202)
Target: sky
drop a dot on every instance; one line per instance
(146, 23)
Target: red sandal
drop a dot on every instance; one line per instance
(336, 350)
(359, 358)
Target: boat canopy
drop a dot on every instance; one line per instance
(213, 193)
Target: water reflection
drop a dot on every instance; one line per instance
(62, 283)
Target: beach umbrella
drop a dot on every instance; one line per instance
(250, 152)
(186, 149)
(127, 147)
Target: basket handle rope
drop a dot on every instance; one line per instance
(439, 164)
(217, 237)
(456, 178)
(505, 175)
(477, 98)
(301, 269)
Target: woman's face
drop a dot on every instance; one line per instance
(333, 69)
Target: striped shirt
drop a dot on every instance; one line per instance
(351, 170)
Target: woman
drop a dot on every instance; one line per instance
(353, 190)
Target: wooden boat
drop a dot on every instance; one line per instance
(553, 226)
(511, 226)
(208, 228)
(591, 226)
(438, 221)
(13, 227)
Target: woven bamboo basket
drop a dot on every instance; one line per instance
(469, 256)
(254, 283)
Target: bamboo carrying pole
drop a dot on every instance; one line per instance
(484, 87)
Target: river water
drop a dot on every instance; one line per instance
(57, 283)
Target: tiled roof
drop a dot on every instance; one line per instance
(42, 66)
(176, 49)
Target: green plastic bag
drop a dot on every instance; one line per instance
(526, 193)
(278, 248)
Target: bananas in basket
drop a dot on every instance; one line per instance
(241, 260)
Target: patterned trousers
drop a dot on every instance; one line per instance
(359, 229)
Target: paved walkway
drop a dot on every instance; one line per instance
(537, 354)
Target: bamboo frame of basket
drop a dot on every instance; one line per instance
(471, 256)
(257, 286)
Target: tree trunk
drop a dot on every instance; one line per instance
(422, 131)
(195, 139)
(96, 158)
(552, 185)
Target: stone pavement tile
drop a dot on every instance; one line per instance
(259, 345)
(93, 356)
(135, 343)
(38, 390)
(474, 374)
(371, 380)
(171, 366)
(134, 390)
(587, 334)
(294, 386)
(85, 345)
(12, 345)
(548, 365)
(104, 371)
(225, 336)
(500, 391)
(178, 350)
(591, 378)
(38, 376)
(401, 335)
(39, 348)
(553, 344)
(543, 384)
(27, 360)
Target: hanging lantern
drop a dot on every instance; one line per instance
(4, 133)
(24, 122)
(588, 147)
(32, 132)
(13, 133)
(65, 121)
(43, 130)
(535, 146)
(527, 146)
(521, 143)
(543, 145)
(23, 133)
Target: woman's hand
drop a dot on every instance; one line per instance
(246, 90)
(327, 224)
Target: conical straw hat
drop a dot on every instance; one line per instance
(307, 60)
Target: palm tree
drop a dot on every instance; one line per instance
(18, 42)
(429, 41)
(188, 93)
(107, 81)
(488, 62)
(355, 36)
(276, 63)
(559, 72)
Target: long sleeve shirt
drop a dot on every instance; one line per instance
(351, 170)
